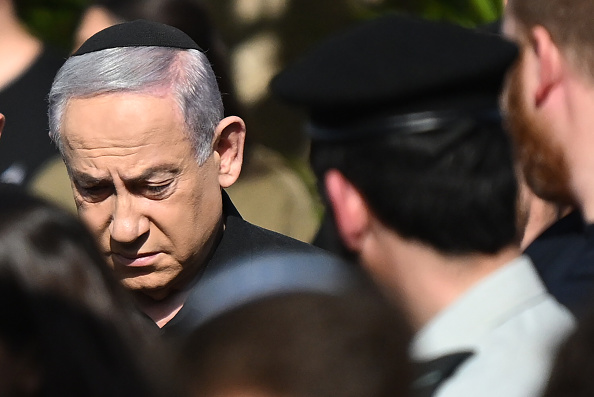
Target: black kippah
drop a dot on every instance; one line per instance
(139, 33)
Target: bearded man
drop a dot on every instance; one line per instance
(547, 101)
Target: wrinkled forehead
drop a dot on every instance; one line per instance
(123, 122)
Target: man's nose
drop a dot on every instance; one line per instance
(128, 222)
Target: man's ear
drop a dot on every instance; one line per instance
(550, 63)
(228, 146)
(350, 209)
(1, 123)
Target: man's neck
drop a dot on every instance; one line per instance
(161, 311)
(458, 274)
(426, 281)
(541, 214)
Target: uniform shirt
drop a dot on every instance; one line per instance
(512, 325)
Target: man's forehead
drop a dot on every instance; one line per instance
(125, 135)
(122, 121)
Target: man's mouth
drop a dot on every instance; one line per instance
(134, 260)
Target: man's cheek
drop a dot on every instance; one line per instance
(93, 220)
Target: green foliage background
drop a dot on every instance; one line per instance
(55, 20)
(304, 23)
(52, 20)
(463, 12)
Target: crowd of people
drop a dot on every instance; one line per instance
(455, 255)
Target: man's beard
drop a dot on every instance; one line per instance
(541, 161)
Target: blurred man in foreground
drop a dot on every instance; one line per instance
(301, 344)
(411, 155)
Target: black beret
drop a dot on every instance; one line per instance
(397, 73)
(139, 33)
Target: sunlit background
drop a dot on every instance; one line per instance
(263, 36)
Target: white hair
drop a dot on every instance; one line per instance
(186, 73)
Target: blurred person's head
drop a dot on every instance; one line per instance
(264, 273)
(51, 346)
(138, 117)
(46, 249)
(301, 344)
(48, 257)
(548, 93)
(473, 178)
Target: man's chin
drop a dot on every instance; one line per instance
(145, 286)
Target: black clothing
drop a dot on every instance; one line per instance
(241, 241)
(25, 144)
(432, 374)
(564, 258)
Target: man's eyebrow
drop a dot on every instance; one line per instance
(86, 179)
(160, 170)
(82, 178)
